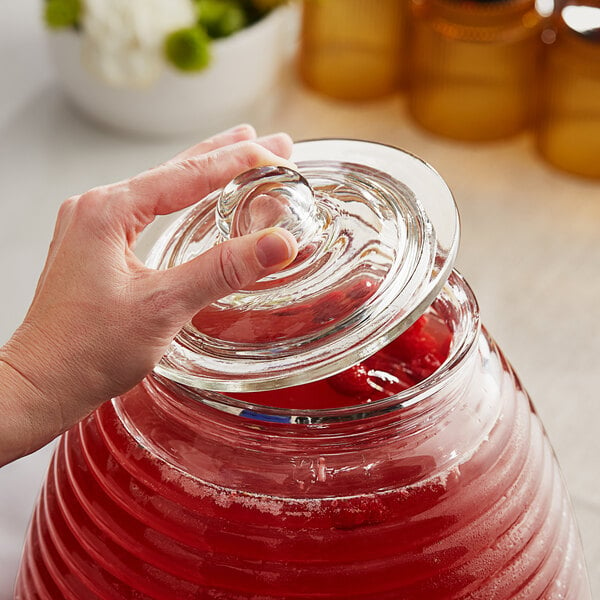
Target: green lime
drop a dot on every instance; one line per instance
(62, 13)
(188, 49)
(221, 18)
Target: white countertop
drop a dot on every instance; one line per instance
(530, 248)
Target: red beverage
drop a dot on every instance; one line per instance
(403, 363)
(447, 489)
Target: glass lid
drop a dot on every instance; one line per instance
(377, 231)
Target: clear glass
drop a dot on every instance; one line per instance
(474, 66)
(568, 128)
(448, 490)
(354, 49)
(377, 241)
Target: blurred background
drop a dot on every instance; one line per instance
(501, 97)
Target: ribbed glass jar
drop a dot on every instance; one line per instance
(568, 128)
(447, 490)
(474, 66)
(354, 49)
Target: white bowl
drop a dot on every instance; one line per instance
(240, 84)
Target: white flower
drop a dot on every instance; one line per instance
(123, 39)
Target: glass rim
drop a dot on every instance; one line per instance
(469, 326)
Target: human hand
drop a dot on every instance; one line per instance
(100, 320)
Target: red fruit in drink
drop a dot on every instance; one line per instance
(423, 347)
(422, 366)
(388, 375)
(353, 382)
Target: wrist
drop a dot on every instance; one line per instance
(24, 426)
(30, 403)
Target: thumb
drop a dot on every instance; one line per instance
(230, 266)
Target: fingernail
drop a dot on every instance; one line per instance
(273, 249)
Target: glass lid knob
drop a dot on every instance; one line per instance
(270, 196)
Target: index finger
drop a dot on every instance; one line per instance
(174, 186)
(236, 134)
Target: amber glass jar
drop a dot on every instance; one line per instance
(474, 66)
(568, 130)
(353, 49)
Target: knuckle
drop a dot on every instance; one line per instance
(232, 271)
(206, 168)
(244, 129)
(98, 206)
(254, 155)
(143, 187)
(194, 165)
(88, 203)
(94, 196)
(66, 208)
(201, 168)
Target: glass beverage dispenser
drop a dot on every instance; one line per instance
(345, 429)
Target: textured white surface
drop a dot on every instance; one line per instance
(530, 248)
